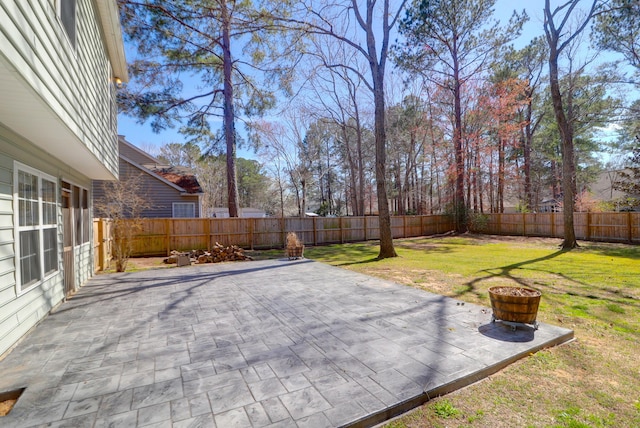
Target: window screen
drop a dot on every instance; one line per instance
(29, 257)
(184, 209)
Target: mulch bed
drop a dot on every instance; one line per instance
(6, 406)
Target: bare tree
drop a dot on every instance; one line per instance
(560, 38)
(282, 145)
(123, 203)
(337, 100)
(365, 28)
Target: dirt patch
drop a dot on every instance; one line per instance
(148, 263)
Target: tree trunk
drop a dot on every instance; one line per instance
(384, 217)
(527, 144)
(564, 127)
(229, 115)
(459, 205)
(500, 174)
(360, 170)
(377, 67)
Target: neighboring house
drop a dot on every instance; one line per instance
(549, 205)
(170, 191)
(603, 190)
(60, 63)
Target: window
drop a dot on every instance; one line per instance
(184, 209)
(67, 11)
(86, 218)
(76, 215)
(37, 225)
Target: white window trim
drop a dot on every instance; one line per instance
(173, 208)
(17, 168)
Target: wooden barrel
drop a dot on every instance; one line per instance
(515, 304)
(295, 252)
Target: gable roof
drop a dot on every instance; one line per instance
(185, 180)
(177, 177)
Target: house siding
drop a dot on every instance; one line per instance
(160, 194)
(75, 83)
(136, 156)
(19, 312)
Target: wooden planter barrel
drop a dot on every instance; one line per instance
(514, 304)
(295, 252)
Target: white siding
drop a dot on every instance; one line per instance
(20, 312)
(56, 117)
(74, 83)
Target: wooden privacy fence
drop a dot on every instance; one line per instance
(605, 227)
(159, 237)
(102, 243)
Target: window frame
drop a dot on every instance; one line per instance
(81, 226)
(72, 39)
(47, 220)
(183, 204)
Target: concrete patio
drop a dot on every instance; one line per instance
(252, 344)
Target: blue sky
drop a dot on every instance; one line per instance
(142, 136)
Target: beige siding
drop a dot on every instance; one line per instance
(136, 156)
(74, 82)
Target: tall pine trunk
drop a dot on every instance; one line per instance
(229, 115)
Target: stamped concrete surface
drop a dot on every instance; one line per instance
(252, 344)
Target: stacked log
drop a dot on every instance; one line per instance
(219, 253)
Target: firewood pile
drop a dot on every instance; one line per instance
(219, 253)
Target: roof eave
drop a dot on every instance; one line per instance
(112, 31)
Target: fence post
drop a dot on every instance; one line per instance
(524, 224)
(101, 245)
(340, 227)
(365, 227)
(251, 227)
(283, 232)
(404, 226)
(167, 225)
(588, 232)
(629, 228)
(315, 232)
(553, 225)
(499, 224)
(207, 233)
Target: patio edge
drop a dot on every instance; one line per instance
(383, 416)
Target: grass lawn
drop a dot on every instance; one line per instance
(594, 290)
